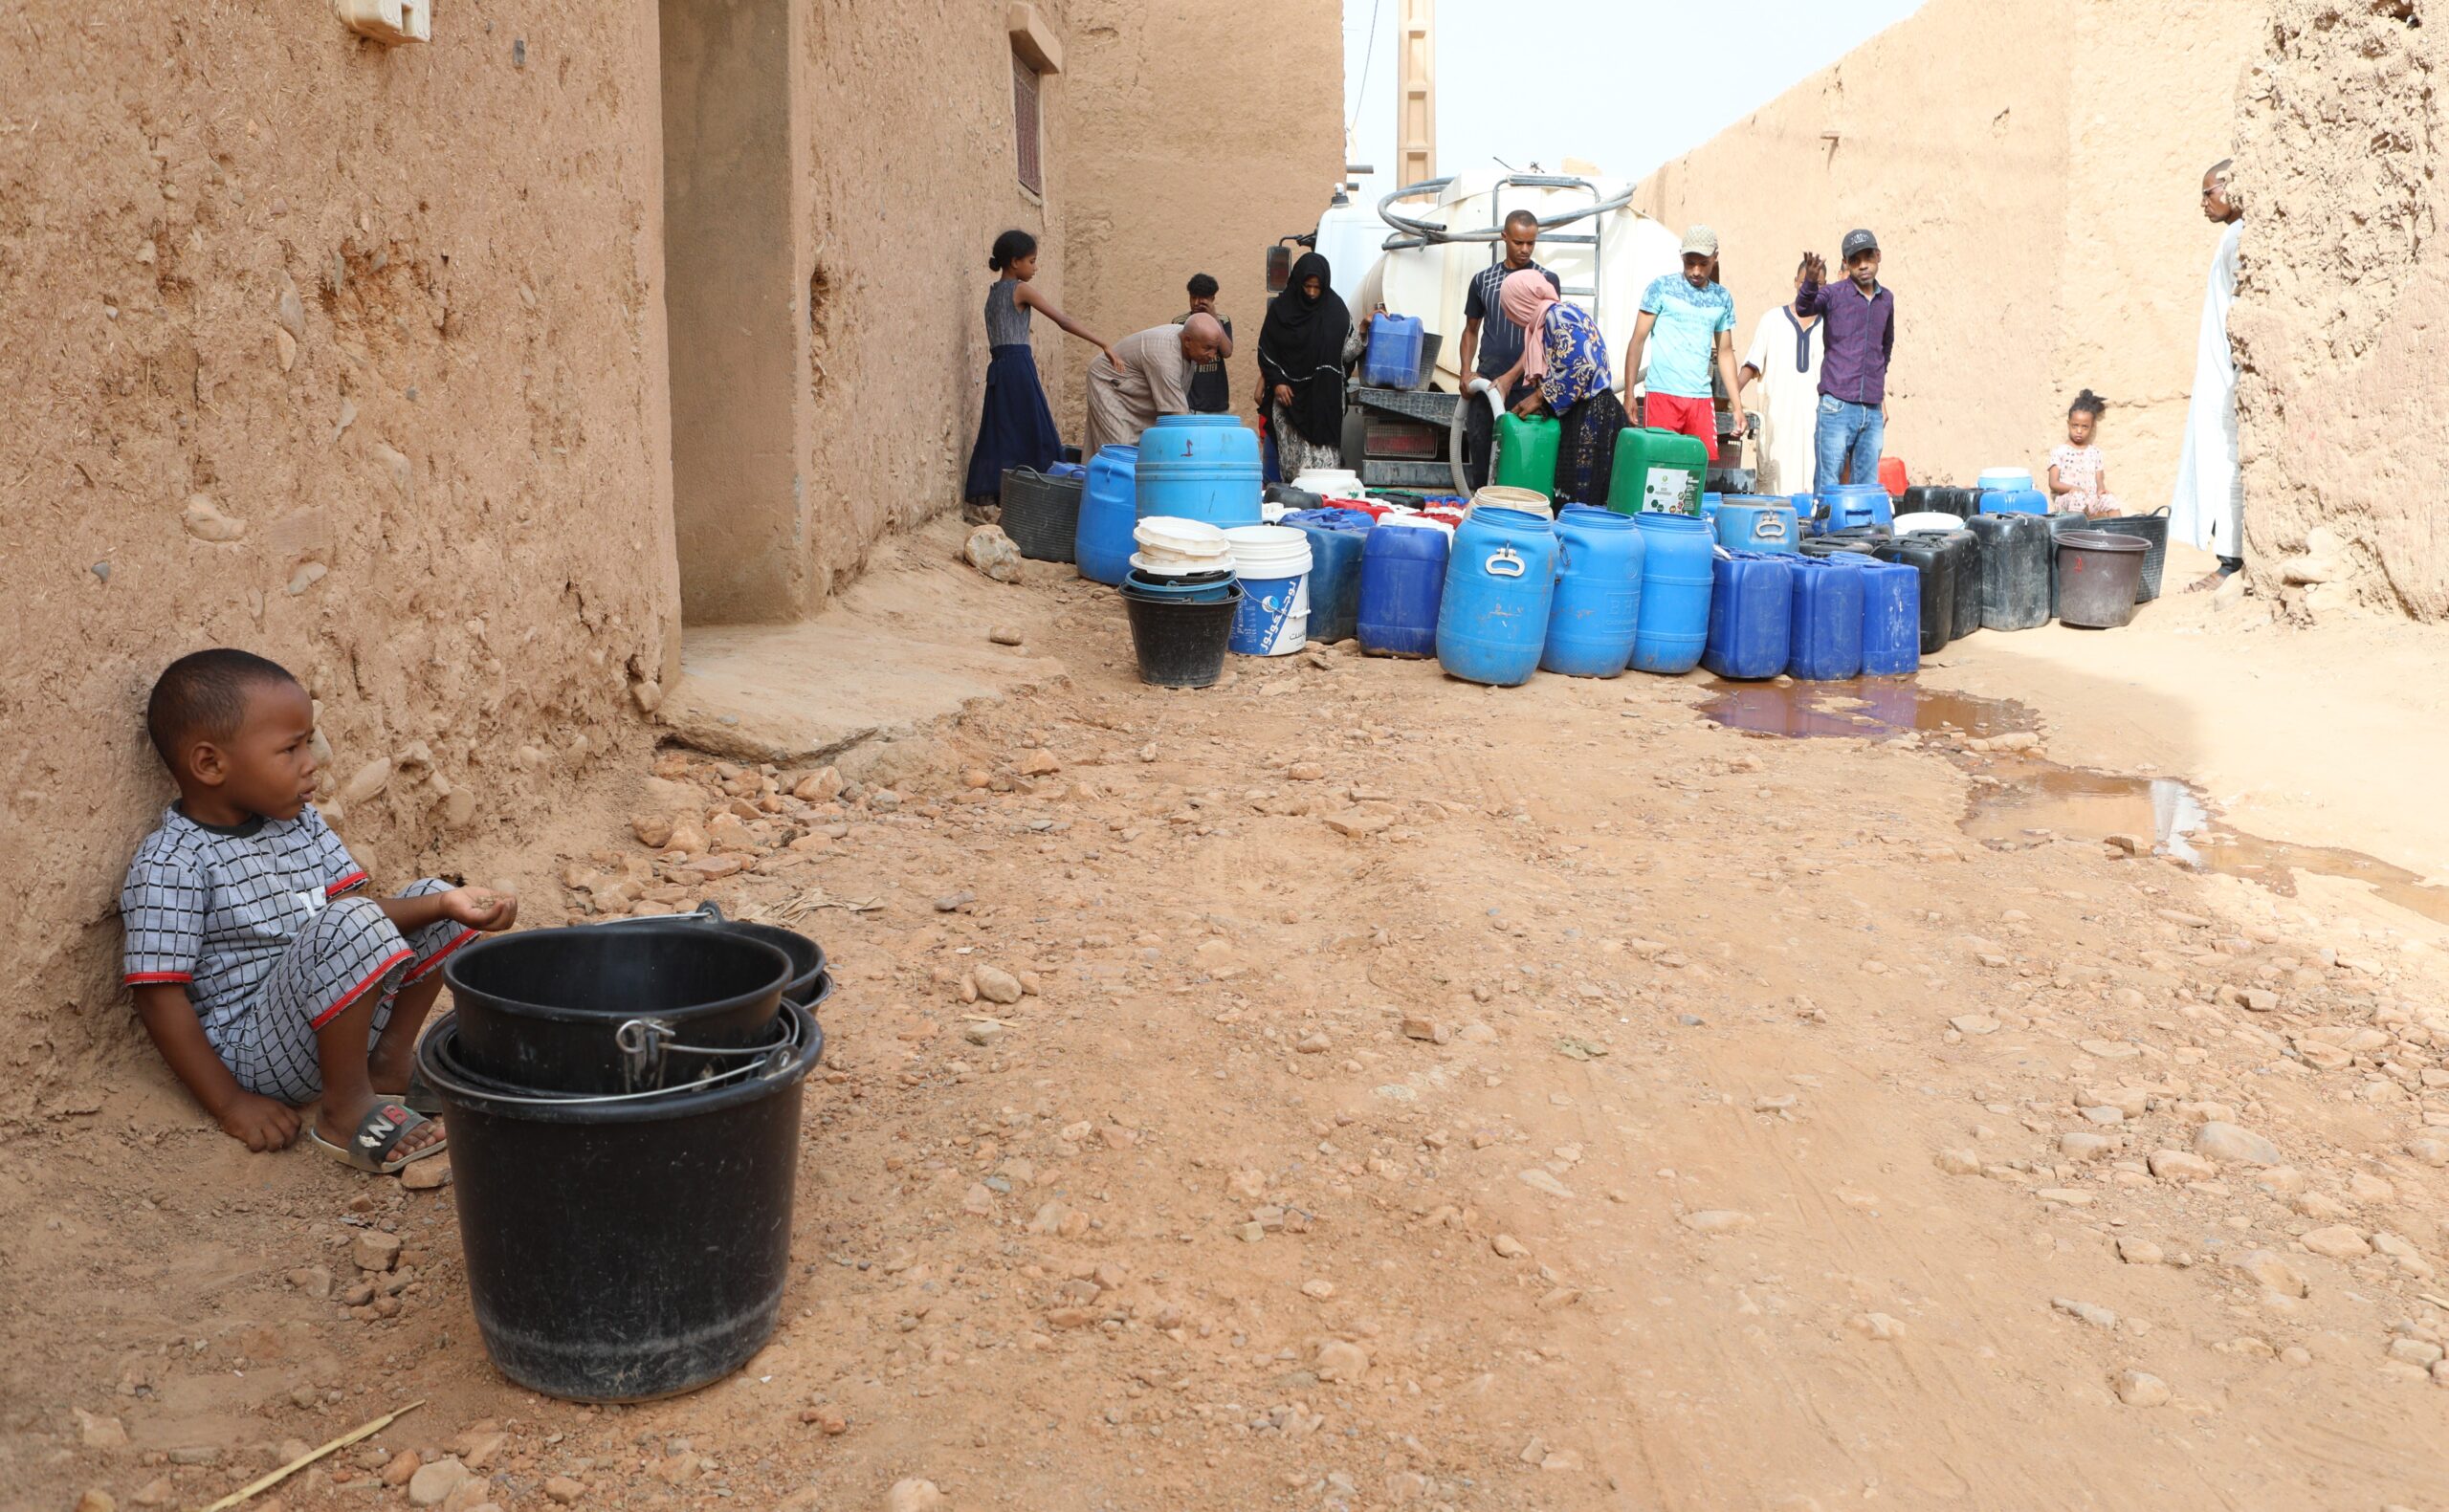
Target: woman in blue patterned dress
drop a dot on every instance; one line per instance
(1566, 358)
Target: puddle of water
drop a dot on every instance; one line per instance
(2034, 801)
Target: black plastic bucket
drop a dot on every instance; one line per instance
(2015, 570)
(807, 956)
(1180, 643)
(1042, 514)
(2060, 524)
(2098, 572)
(624, 1248)
(2152, 530)
(1932, 499)
(612, 1009)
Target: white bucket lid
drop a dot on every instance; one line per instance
(1328, 480)
(1417, 520)
(1269, 551)
(1184, 537)
(1932, 520)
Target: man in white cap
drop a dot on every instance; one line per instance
(1687, 332)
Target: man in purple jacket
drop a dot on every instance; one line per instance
(1859, 318)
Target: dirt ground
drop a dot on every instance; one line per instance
(1421, 1096)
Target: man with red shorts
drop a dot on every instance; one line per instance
(1686, 329)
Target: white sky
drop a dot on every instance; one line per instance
(1626, 84)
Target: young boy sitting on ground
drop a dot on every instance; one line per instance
(264, 975)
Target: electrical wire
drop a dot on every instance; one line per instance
(1368, 56)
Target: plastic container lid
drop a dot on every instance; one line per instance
(1181, 537)
(1925, 520)
(1498, 496)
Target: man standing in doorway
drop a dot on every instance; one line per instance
(1211, 393)
(1859, 319)
(2209, 509)
(1692, 318)
(1491, 347)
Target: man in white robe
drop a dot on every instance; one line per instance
(2209, 509)
(1781, 377)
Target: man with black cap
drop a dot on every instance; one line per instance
(1860, 319)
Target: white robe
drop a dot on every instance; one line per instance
(1788, 403)
(2209, 509)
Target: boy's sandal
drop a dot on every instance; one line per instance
(378, 1133)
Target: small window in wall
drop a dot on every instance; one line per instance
(1025, 125)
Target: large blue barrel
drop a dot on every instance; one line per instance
(1403, 580)
(1752, 612)
(1109, 508)
(1676, 578)
(1494, 621)
(1891, 618)
(1827, 642)
(1748, 523)
(1853, 504)
(1201, 467)
(1598, 602)
(1336, 537)
(2014, 501)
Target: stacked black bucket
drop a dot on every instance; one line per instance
(623, 1102)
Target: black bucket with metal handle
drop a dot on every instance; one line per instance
(622, 1247)
(595, 1010)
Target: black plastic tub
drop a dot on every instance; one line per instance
(1181, 642)
(2153, 531)
(612, 1009)
(1042, 514)
(807, 956)
(2016, 551)
(622, 1248)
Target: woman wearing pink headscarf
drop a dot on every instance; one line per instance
(1566, 358)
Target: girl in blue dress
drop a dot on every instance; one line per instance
(1015, 427)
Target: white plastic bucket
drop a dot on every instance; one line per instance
(1273, 565)
(1530, 501)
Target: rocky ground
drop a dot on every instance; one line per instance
(1350, 1088)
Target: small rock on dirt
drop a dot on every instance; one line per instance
(96, 1501)
(2141, 1388)
(1715, 1220)
(2273, 1272)
(2179, 1165)
(430, 1174)
(991, 552)
(100, 1430)
(913, 1495)
(1004, 635)
(375, 1250)
(2138, 1251)
(2337, 1242)
(2232, 1143)
(997, 985)
(433, 1483)
(564, 1490)
(1506, 1245)
(1341, 1360)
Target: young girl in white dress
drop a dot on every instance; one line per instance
(2078, 472)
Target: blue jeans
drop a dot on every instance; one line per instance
(1847, 434)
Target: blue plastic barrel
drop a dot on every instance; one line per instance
(1493, 623)
(1596, 608)
(1825, 644)
(1200, 466)
(1676, 581)
(1403, 580)
(2014, 501)
(1750, 522)
(1393, 359)
(1854, 504)
(1109, 508)
(1891, 617)
(1752, 609)
(1336, 539)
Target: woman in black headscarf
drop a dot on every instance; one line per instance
(1305, 346)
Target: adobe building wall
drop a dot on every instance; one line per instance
(353, 357)
(1197, 134)
(358, 357)
(2341, 306)
(2031, 170)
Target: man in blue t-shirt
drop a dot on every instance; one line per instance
(1687, 330)
(1491, 343)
